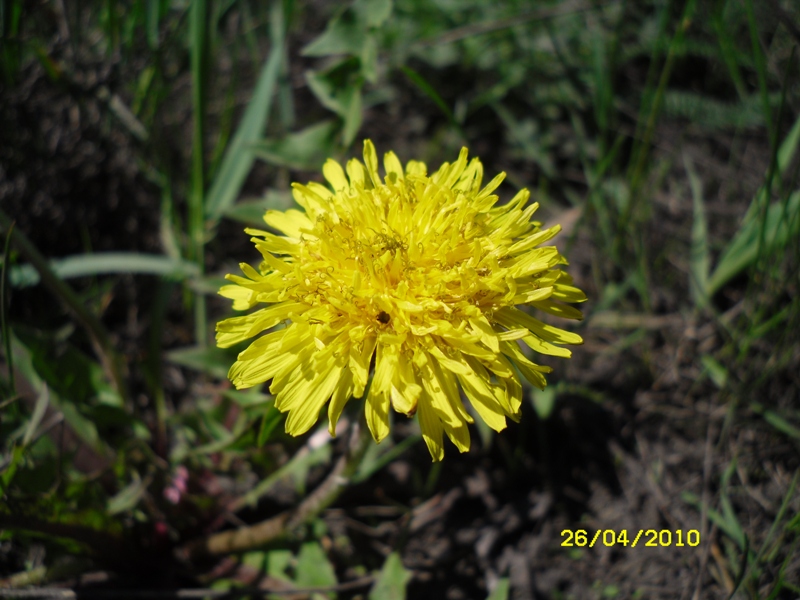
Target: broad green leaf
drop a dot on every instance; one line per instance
(211, 360)
(501, 590)
(87, 265)
(313, 568)
(343, 35)
(373, 12)
(304, 150)
(392, 580)
(699, 263)
(239, 156)
(278, 561)
(349, 31)
(325, 90)
(67, 371)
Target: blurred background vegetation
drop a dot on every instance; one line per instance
(136, 139)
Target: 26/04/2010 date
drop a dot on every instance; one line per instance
(651, 538)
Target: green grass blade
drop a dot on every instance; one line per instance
(151, 22)
(427, 89)
(761, 69)
(239, 157)
(638, 169)
(198, 43)
(42, 402)
(781, 224)
(102, 263)
(699, 264)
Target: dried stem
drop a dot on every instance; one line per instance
(253, 536)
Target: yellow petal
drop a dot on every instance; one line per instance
(333, 172)
(371, 162)
(341, 395)
(392, 165)
(431, 428)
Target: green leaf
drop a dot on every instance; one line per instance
(87, 265)
(378, 456)
(278, 561)
(699, 263)
(544, 401)
(9, 468)
(373, 12)
(272, 416)
(730, 524)
(252, 212)
(247, 398)
(304, 150)
(313, 568)
(392, 580)
(209, 359)
(776, 420)
(38, 412)
(782, 223)
(353, 116)
(369, 58)
(715, 370)
(296, 470)
(429, 91)
(129, 497)
(501, 590)
(239, 156)
(343, 35)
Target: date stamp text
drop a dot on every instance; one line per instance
(650, 538)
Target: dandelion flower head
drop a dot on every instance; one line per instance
(414, 279)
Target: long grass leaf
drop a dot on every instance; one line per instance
(698, 257)
(198, 43)
(239, 157)
(87, 265)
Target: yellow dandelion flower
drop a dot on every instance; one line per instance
(420, 273)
